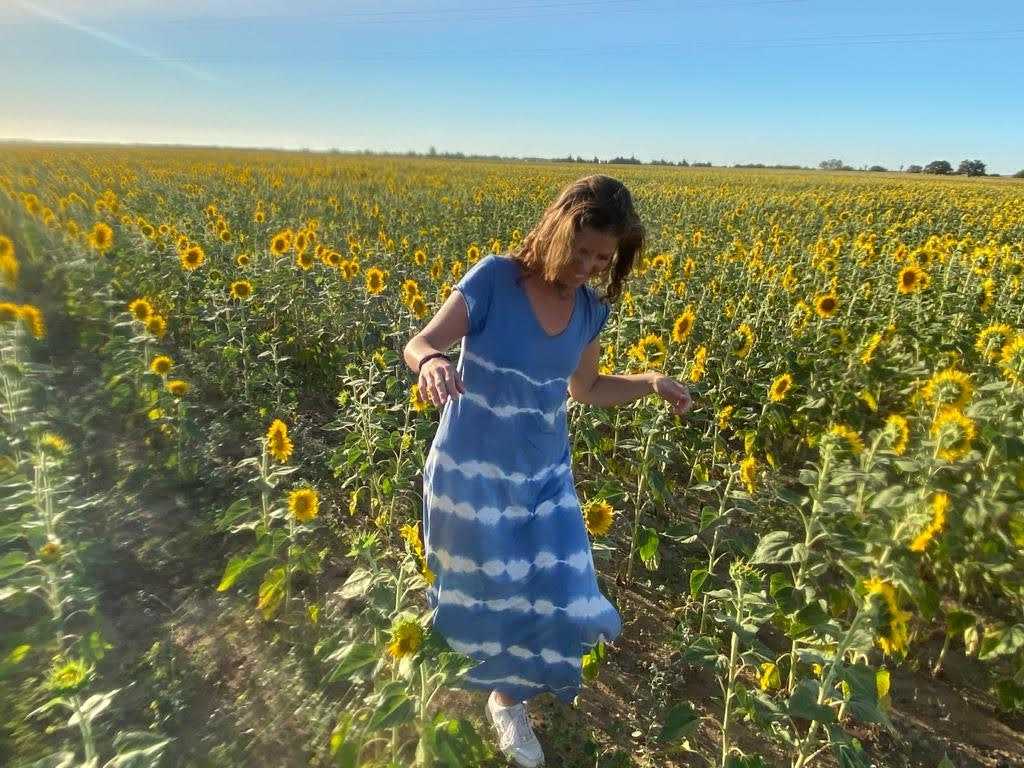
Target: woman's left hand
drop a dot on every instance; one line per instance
(674, 392)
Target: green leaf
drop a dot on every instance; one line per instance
(697, 578)
(393, 709)
(56, 760)
(648, 548)
(803, 703)
(351, 658)
(357, 584)
(773, 548)
(238, 565)
(945, 762)
(863, 703)
(680, 722)
(137, 749)
(1001, 642)
(11, 563)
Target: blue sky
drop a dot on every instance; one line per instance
(729, 81)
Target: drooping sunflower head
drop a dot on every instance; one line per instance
(700, 357)
(418, 306)
(897, 430)
(32, 317)
(748, 473)
(991, 340)
(743, 340)
(375, 280)
(889, 620)
(683, 326)
(953, 433)
(406, 637)
(950, 388)
(156, 325)
(279, 445)
(780, 387)
(847, 436)
(598, 515)
(177, 387)
(1011, 360)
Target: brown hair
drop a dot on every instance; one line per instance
(596, 201)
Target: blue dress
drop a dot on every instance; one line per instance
(503, 531)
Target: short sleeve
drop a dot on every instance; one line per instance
(599, 316)
(477, 288)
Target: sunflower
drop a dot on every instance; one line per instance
(700, 357)
(8, 312)
(303, 504)
(69, 676)
(406, 638)
(850, 436)
(940, 503)
(240, 289)
(683, 326)
(780, 386)
(897, 428)
(6, 247)
(304, 260)
(410, 290)
(375, 280)
(53, 444)
(418, 306)
(473, 253)
(953, 433)
(799, 317)
(192, 258)
(986, 294)
(420, 257)
(177, 387)
(141, 309)
(33, 320)
(649, 352)
(281, 243)
(826, 304)
(1012, 360)
(279, 445)
(870, 346)
(949, 389)
(891, 621)
(724, 416)
(991, 340)
(101, 238)
(598, 515)
(743, 341)
(411, 533)
(161, 365)
(748, 473)
(156, 325)
(417, 402)
(912, 279)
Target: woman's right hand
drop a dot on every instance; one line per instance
(439, 380)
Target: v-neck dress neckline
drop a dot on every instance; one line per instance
(533, 312)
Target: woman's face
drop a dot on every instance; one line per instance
(592, 254)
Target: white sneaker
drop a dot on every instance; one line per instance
(515, 736)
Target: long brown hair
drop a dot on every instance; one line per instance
(596, 201)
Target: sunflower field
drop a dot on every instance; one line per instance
(211, 457)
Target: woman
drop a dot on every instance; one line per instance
(503, 531)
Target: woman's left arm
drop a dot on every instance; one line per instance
(588, 386)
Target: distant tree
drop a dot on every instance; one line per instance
(914, 169)
(971, 168)
(1019, 174)
(683, 163)
(941, 167)
(432, 151)
(834, 164)
(878, 168)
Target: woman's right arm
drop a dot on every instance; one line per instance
(439, 379)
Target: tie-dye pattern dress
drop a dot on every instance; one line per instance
(503, 531)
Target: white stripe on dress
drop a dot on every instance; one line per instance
(492, 471)
(547, 655)
(493, 515)
(516, 569)
(580, 608)
(517, 680)
(495, 368)
(508, 411)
